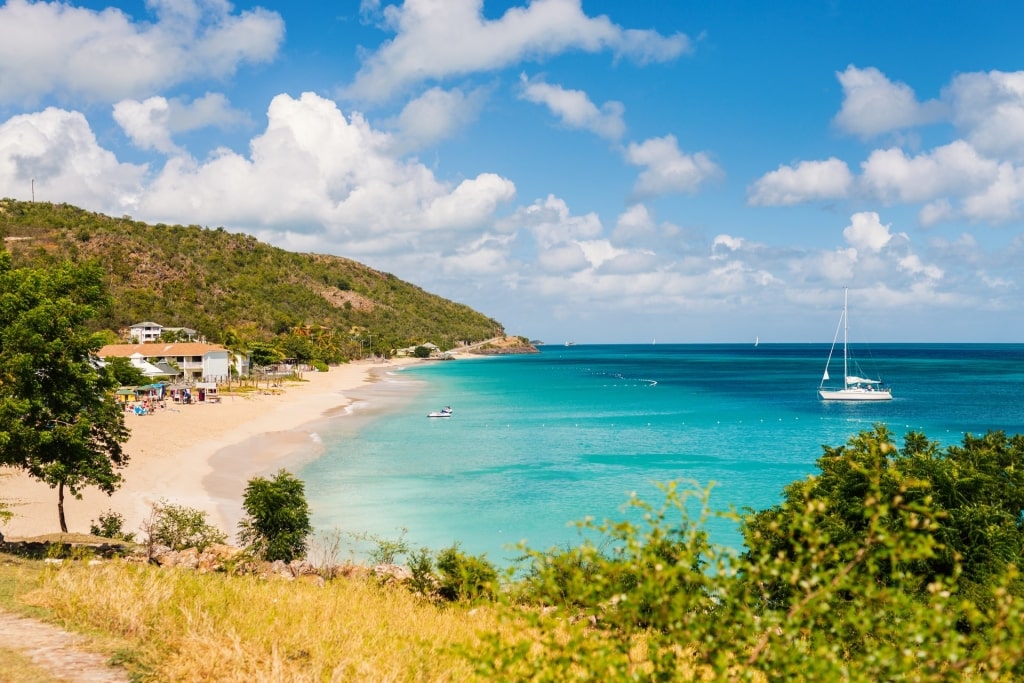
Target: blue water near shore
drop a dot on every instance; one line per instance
(539, 441)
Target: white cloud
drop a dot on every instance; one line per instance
(667, 169)
(722, 245)
(55, 153)
(434, 40)
(912, 264)
(551, 223)
(890, 175)
(866, 232)
(935, 212)
(563, 258)
(150, 123)
(999, 202)
(599, 252)
(872, 104)
(147, 124)
(314, 171)
(989, 107)
(807, 181)
(837, 267)
(435, 115)
(635, 222)
(634, 262)
(77, 53)
(575, 109)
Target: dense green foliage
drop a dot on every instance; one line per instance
(276, 526)
(450, 575)
(179, 527)
(110, 525)
(888, 566)
(970, 499)
(236, 290)
(59, 420)
(126, 374)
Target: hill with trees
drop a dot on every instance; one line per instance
(234, 289)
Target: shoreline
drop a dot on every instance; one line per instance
(200, 455)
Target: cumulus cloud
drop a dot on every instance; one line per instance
(912, 264)
(73, 53)
(890, 175)
(551, 223)
(435, 115)
(866, 232)
(55, 153)
(807, 181)
(435, 40)
(635, 222)
(872, 104)
(563, 258)
(989, 108)
(977, 177)
(667, 169)
(314, 170)
(575, 109)
(999, 202)
(151, 123)
(723, 245)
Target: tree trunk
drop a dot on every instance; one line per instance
(60, 508)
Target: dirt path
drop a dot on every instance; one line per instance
(54, 651)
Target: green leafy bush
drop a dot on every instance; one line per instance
(276, 526)
(465, 577)
(837, 583)
(178, 527)
(110, 525)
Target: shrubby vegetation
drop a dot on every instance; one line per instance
(870, 571)
(179, 527)
(111, 525)
(276, 525)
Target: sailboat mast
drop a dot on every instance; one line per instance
(846, 324)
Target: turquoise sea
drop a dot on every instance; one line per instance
(538, 441)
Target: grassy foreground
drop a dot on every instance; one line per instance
(171, 625)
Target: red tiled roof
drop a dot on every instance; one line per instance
(158, 349)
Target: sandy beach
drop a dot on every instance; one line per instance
(171, 454)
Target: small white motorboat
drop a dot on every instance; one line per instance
(444, 412)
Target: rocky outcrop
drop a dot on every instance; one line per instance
(504, 346)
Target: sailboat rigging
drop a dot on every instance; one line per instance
(855, 387)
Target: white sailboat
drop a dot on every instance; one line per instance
(854, 387)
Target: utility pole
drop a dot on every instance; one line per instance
(33, 190)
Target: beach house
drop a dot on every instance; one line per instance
(146, 332)
(195, 361)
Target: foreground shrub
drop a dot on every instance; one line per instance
(654, 601)
(276, 526)
(179, 527)
(451, 575)
(465, 577)
(110, 525)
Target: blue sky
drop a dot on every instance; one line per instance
(598, 171)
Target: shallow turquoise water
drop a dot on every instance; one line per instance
(539, 441)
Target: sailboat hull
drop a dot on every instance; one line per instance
(855, 394)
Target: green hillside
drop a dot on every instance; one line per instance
(225, 284)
